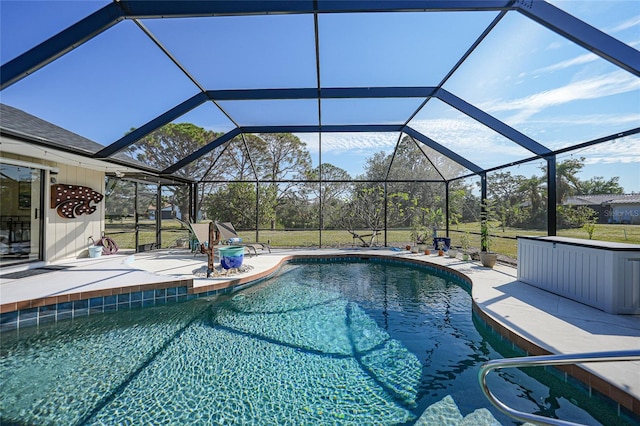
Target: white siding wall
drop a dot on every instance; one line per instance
(68, 238)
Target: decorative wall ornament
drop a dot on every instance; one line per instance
(73, 200)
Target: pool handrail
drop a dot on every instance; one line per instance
(544, 360)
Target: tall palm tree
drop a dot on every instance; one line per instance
(532, 189)
(567, 183)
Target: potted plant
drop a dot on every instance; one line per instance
(440, 248)
(453, 252)
(464, 245)
(419, 236)
(487, 258)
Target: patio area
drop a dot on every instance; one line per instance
(534, 320)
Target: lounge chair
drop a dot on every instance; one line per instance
(229, 235)
(203, 237)
(371, 237)
(207, 237)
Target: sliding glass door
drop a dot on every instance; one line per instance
(20, 214)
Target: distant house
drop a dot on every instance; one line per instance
(611, 208)
(626, 210)
(169, 211)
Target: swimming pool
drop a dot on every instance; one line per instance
(332, 343)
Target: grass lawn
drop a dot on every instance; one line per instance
(505, 243)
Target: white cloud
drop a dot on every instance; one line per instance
(342, 142)
(591, 88)
(626, 150)
(462, 136)
(579, 60)
(603, 120)
(555, 45)
(630, 23)
(617, 151)
(472, 140)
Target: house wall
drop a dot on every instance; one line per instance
(603, 212)
(69, 238)
(625, 213)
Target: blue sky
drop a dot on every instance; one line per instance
(541, 84)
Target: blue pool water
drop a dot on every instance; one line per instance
(334, 343)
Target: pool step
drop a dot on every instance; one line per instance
(446, 413)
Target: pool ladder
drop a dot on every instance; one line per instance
(537, 361)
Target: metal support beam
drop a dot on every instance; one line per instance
(349, 128)
(61, 43)
(581, 33)
(257, 210)
(159, 215)
(262, 94)
(323, 93)
(193, 196)
(552, 192)
(483, 208)
(446, 207)
(393, 156)
(442, 150)
(386, 219)
(136, 218)
(435, 167)
(492, 122)
(169, 9)
(140, 132)
(114, 12)
(202, 151)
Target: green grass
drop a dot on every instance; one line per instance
(604, 232)
(124, 235)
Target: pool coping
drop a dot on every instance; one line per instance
(158, 293)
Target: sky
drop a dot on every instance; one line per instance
(534, 80)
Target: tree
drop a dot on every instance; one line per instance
(456, 204)
(576, 216)
(376, 167)
(234, 202)
(409, 164)
(299, 212)
(332, 194)
(507, 191)
(239, 157)
(535, 215)
(170, 144)
(277, 157)
(597, 185)
(567, 181)
(119, 198)
(365, 210)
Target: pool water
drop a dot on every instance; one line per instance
(353, 343)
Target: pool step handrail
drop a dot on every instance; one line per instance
(544, 360)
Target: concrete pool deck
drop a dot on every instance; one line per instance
(535, 320)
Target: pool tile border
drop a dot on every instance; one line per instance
(593, 383)
(29, 313)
